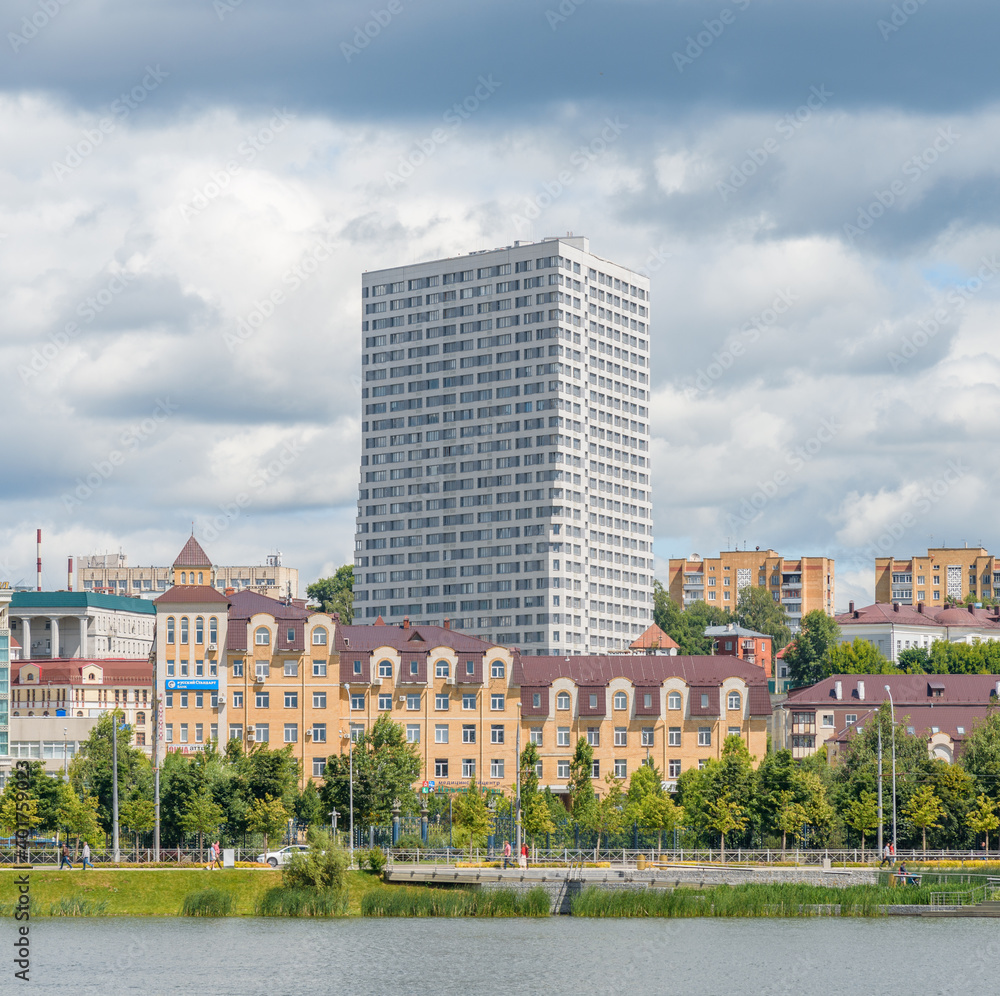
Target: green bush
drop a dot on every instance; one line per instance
(410, 841)
(374, 860)
(416, 901)
(282, 901)
(77, 906)
(207, 902)
(322, 868)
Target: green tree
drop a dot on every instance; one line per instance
(201, 816)
(138, 816)
(981, 757)
(537, 817)
(923, 809)
(385, 768)
(78, 816)
(984, 818)
(322, 867)
(335, 594)
(268, 817)
(583, 803)
(956, 789)
(687, 626)
(773, 778)
(725, 817)
(862, 814)
(609, 817)
(915, 660)
(473, 819)
(309, 806)
(17, 814)
(757, 610)
(47, 791)
(806, 655)
(790, 817)
(649, 805)
(859, 657)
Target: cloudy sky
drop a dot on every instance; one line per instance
(189, 190)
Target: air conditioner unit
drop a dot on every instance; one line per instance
(250, 731)
(261, 674)
(212, 648)
(309, 734)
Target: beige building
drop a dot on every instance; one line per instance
(800, 585)
(944, 573)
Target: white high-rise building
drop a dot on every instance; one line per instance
(505, 478)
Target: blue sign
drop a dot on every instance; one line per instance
(192, 684)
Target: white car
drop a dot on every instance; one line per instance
(275, 858)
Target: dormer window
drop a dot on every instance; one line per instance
(290, 635)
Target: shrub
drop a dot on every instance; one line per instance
(77, 906)
(322, 868)
(420, 901)
(374, 860)
(282, 901)
(207, 902)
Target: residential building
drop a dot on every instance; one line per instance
(5, 657)
(944, 574)
(895, 627)
(110, 574)
(654, 641)
(505, 475)
(801, 585)
(81, 624)
(747, 644)
(944, 707)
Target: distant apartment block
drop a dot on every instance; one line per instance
(5, 642)
(110, 574)
(800, 585)
(945, 572)
(505, 473)
(747, 644)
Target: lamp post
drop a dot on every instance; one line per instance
(65, 755)
(517, 809)
(880, 845)
(350, 752)
(892, 709)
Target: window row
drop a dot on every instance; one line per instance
(442, 701)
(734, 700)
(199, 629)
(291, 669)
(262, 636)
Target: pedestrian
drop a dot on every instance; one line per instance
(64, 860)
(892, 855)
(506, 854)
(217, 855)
(524, 856)
(86, 857)
(886, 857)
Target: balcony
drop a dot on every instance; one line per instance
(804, 728)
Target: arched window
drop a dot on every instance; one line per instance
(734, 700)
(621, 700)
(674, 700)
(170, 629)
(213, 630)
(201, 578)
(319, 637)
(199, 630)
(184, 577)
(497, 669)
(562, 700)
(442, 669)
(184, 629)
(262, 636)
(140, 718)
(385, 669)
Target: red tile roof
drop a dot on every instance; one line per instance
(654, 639)
(192, 555)
(907, 690)
(191, 594)
(367, 638)
(69, 671)
(911, 615)
(923, 717)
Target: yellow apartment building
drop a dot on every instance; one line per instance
(945, 572)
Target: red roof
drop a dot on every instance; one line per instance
(191, 594)
(69, 671)
(192, 555)
(654, 639)
(907, 690)
(364, 638)
(921, 615)
(922, 719)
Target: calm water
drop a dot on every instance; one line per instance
(560, 955)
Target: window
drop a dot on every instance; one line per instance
(319, 700)
(414, 668)
(199, 699)
(262, 733)
(673, 768)
(319, 767)
(852, 717)
(704, 701)
(213, 630)
(674, 700)
(828, 719)
(413, 703)
(184, 629)
(496, 733)
(184, 733)
(262, 700)
(536, 700)
(237, 669)
(562, 700)
(470, 667)
(319, 669)
(647, 739)
(562, 769)
(440, 767)
(733, 701)
(647, 700)
(413, 733)
(497, 669)
(199, 630)
(291, 733)
(441, 733)
(291, 700)
(593, 700)
(468, 733)
(357, 667)
(291, 669)
(704, 736)
(358, 701)
(442, 669)
(594, 736)
(319, 637)
(169, 731)
(262, 636)
(469, 701)
(733, 731)
(385, 669)
(468, 767)
(319, 733)
(356, 730)
(620, 700)
(442, 701)
(385, 701)
(621, 736)
(496, 767)
(237, 700)
(562, 736)
(170, 629)
(595, 770)
(535, 736)
(621, 768)
(674, 736)
(235, 731)
(497, 703)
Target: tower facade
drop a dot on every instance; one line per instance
(505, 477)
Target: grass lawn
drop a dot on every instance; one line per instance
(152, 892)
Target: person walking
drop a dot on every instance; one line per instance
(892, 855)
(524, 856)
(886, 857)
(85, 855)
(506, 854)
(64, 860)
(217, 856)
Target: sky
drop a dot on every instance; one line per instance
(190, 190)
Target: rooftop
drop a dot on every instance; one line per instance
(40, 600)
(192, 555)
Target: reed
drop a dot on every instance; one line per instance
(285, 901)
(207, 902)
(416, 901)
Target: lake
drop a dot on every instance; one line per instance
(813, 957)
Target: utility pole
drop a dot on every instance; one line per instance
(517, 811)
(157, 705)
(892, 709)
(114, 785)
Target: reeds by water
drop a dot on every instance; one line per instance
(283, 901)
(414, 901)
(207, 902)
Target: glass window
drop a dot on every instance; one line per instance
(496, 733)
(262, 700)
(562, 769)
(357, 701)
(199, 630)
(319, 669)
(536, 700)
(262, 636)
(237, 669)
(497, 669)
(497, 703)
(413, 702)
(704, 736)
(385, 701)
(621, 736)
(562, 700)
(620, 701)
(385, 669)
(621, 768)
(468, 733)
(535, 736)
(442, 701)
(594, 736)
(469, 700)
(291, 669)
(674, 736)
(593, 700)
(496, 767)
(235, 731)
(319, 767)
(595, 770)
(674, 768)
(734, 700)
(357, 667)
(170, 629)
(213, 630)
(704, 701)
(291, 733)
(319, 637)
(674, 700)
(169, 731)
(413, 733)
(319, 700)
(468, 767)
(647, 736)
(442, 669)
(184, 629)
(647, 700)
(184, 733)
(562, 736)
(291, 700)
(441, 767)
(441, 733)
(262, 733)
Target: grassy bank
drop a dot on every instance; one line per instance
(419, 901)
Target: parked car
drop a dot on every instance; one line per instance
(275, 858)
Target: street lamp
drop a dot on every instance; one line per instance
(517, 809)
(892, 710)
(350, 751)
(65, 755)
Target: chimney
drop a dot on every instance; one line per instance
(857, 615)
(406, 622)
(895, 606)
(850, 608)
(920, 607)
(838, 690)
(447, 624)
(69, 574)
(861, 691)
(972, 609)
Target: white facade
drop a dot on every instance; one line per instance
(505, 478)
